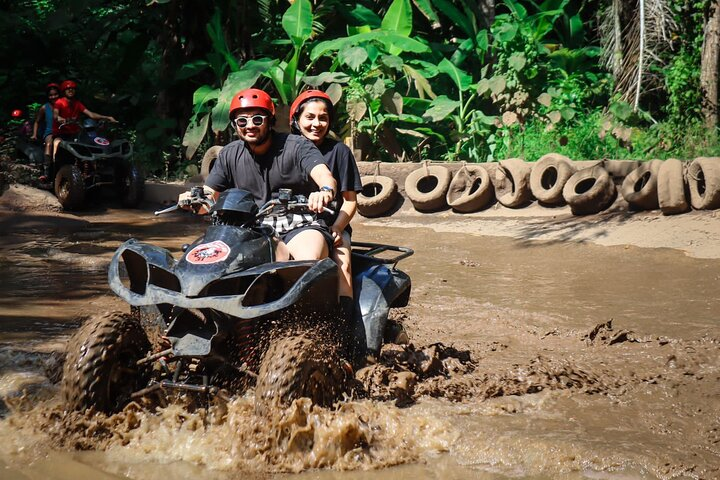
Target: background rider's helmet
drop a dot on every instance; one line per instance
(67, 84)
(17, 113)
(52, 85)
(252, 98)
(300, 102)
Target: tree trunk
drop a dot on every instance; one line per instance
(709, 66)
(487, 7)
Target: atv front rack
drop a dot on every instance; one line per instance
(371, 251)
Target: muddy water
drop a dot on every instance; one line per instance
(588, 362)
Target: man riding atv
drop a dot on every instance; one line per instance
(264, 161)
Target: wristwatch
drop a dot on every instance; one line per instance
(327, 188)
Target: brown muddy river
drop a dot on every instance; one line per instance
(587, 362)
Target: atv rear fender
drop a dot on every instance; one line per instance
(377, 289)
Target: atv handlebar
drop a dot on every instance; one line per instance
(197, 199)
(287, 202)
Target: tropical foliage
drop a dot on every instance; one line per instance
(421, 79)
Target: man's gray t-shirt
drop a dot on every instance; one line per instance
(287, 164)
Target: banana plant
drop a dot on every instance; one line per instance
(373, 64)
(297, 21)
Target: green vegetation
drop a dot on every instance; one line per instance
(422, 79)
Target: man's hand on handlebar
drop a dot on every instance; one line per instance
(317, 201)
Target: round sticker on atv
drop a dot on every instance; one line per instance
(101, 141)
(212, 252)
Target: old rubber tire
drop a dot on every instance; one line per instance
(296, 366)
(208, 160)
(70, 187)
(130, 186)
(101, 365)
(671, 187)
(427, 186)
(512, 183)
(639, 188)
(548, 177)
(378, 195)
(470, 190)
(703, 177)
(590, 190)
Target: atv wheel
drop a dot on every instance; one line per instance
(299, 366)
(101, 368)
(70, 187)
(131, 186)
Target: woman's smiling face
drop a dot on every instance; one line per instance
(314, 121)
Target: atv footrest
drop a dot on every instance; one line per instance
(167, 384)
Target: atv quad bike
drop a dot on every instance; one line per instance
(89, 161)
(228, 315)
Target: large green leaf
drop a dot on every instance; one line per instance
(388, 39)
(353, 57)
(392, 101)
(203, 95)
(420, 81)
(440, 108)
(194, 134)
(326, 77)
(462, 79)
(458, 18)
(365, 16)
(236, 81)
(426, 9)
(398, 18)
(297, 21)
(191, 69)
(517, 61)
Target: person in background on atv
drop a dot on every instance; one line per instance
(263, 161)
(311, 115)
(69, 109)
(44, 124)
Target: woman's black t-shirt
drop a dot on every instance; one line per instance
(339, 159)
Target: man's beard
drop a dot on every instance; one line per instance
(257, 141)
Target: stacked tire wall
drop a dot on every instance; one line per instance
(672, 186)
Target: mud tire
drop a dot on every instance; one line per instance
(100, 368)
(470, 190)
(589, 191)
(70, 187)
(703, 177)
(378, 195)
(427, 186)
(130, 186)
(208, 160)
(672, 189)
(298, 366)
(639, 188)
(548, 177)
(512, 183)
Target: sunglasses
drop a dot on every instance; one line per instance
(257, 120)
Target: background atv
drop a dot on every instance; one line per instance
(89, 161)
(227, 315)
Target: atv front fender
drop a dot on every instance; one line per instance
(153, 282)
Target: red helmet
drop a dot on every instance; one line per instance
(307, 95)
(17, 113)
(52, 85)
(67, 84)
(252, 98)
